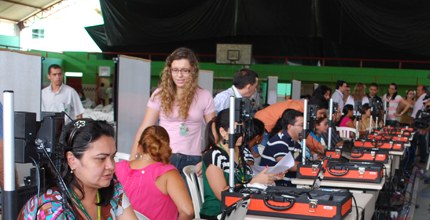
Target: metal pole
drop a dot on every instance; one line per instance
(385, 112)
(330, 122)
(231, 143)
(357, 130)
(428, 157)
(9, 194)
(305, 127)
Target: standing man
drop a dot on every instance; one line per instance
(101, 94)
(341, 87)
(419, 139)
(109, 93)
(375, 101)
(373, 93)
(245, 83)
(58, 97)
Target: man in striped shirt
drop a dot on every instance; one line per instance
(285, 142)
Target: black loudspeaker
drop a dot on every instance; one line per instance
(25, 134)
(25, 125)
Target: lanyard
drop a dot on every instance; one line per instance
(243, 174)
(82, 208)
(315, 136)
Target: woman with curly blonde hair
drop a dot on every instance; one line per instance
(181, 107)
(358, 96)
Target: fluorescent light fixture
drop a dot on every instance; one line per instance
(74, 74)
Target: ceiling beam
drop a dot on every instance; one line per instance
(8, 19)
(22, 4)
(33, 16)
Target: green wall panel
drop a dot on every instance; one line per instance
(9, 41)
(88, 63)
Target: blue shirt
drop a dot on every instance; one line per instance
(1, 121)
(279, 146)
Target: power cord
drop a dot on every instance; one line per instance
(65, 194)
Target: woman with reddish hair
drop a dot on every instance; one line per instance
(155, 187)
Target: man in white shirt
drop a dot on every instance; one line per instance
(58, 97)
(419, 139)
(245, 83)
(419, 104)
(341, 87)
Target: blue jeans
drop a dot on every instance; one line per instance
(181, 160)
(419, 142)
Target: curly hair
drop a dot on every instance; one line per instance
(359, 92)
(155, 142)
(168, 91)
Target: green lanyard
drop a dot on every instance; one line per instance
(82, 208)
(234, 93)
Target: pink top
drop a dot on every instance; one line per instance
(145, 197)
(344, 121)
(188, 143)
(392, 107)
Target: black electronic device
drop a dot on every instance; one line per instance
(335, 107)
(49, 133)
(25, 133)
(29, 136)
(377, 107)
(27, 130)
(422, 119)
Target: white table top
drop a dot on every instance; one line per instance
(341, 184)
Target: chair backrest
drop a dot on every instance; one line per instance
(140, 216)
(346, 132)
(121, 156)
(195, 186)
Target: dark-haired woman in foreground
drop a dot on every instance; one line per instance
(88, 172)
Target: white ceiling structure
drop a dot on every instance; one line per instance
(19, 11)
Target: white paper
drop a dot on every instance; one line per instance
(283, 165)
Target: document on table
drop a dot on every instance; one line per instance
(283, 165)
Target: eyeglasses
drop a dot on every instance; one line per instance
(183, 71)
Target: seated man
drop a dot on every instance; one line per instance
(285, 142)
